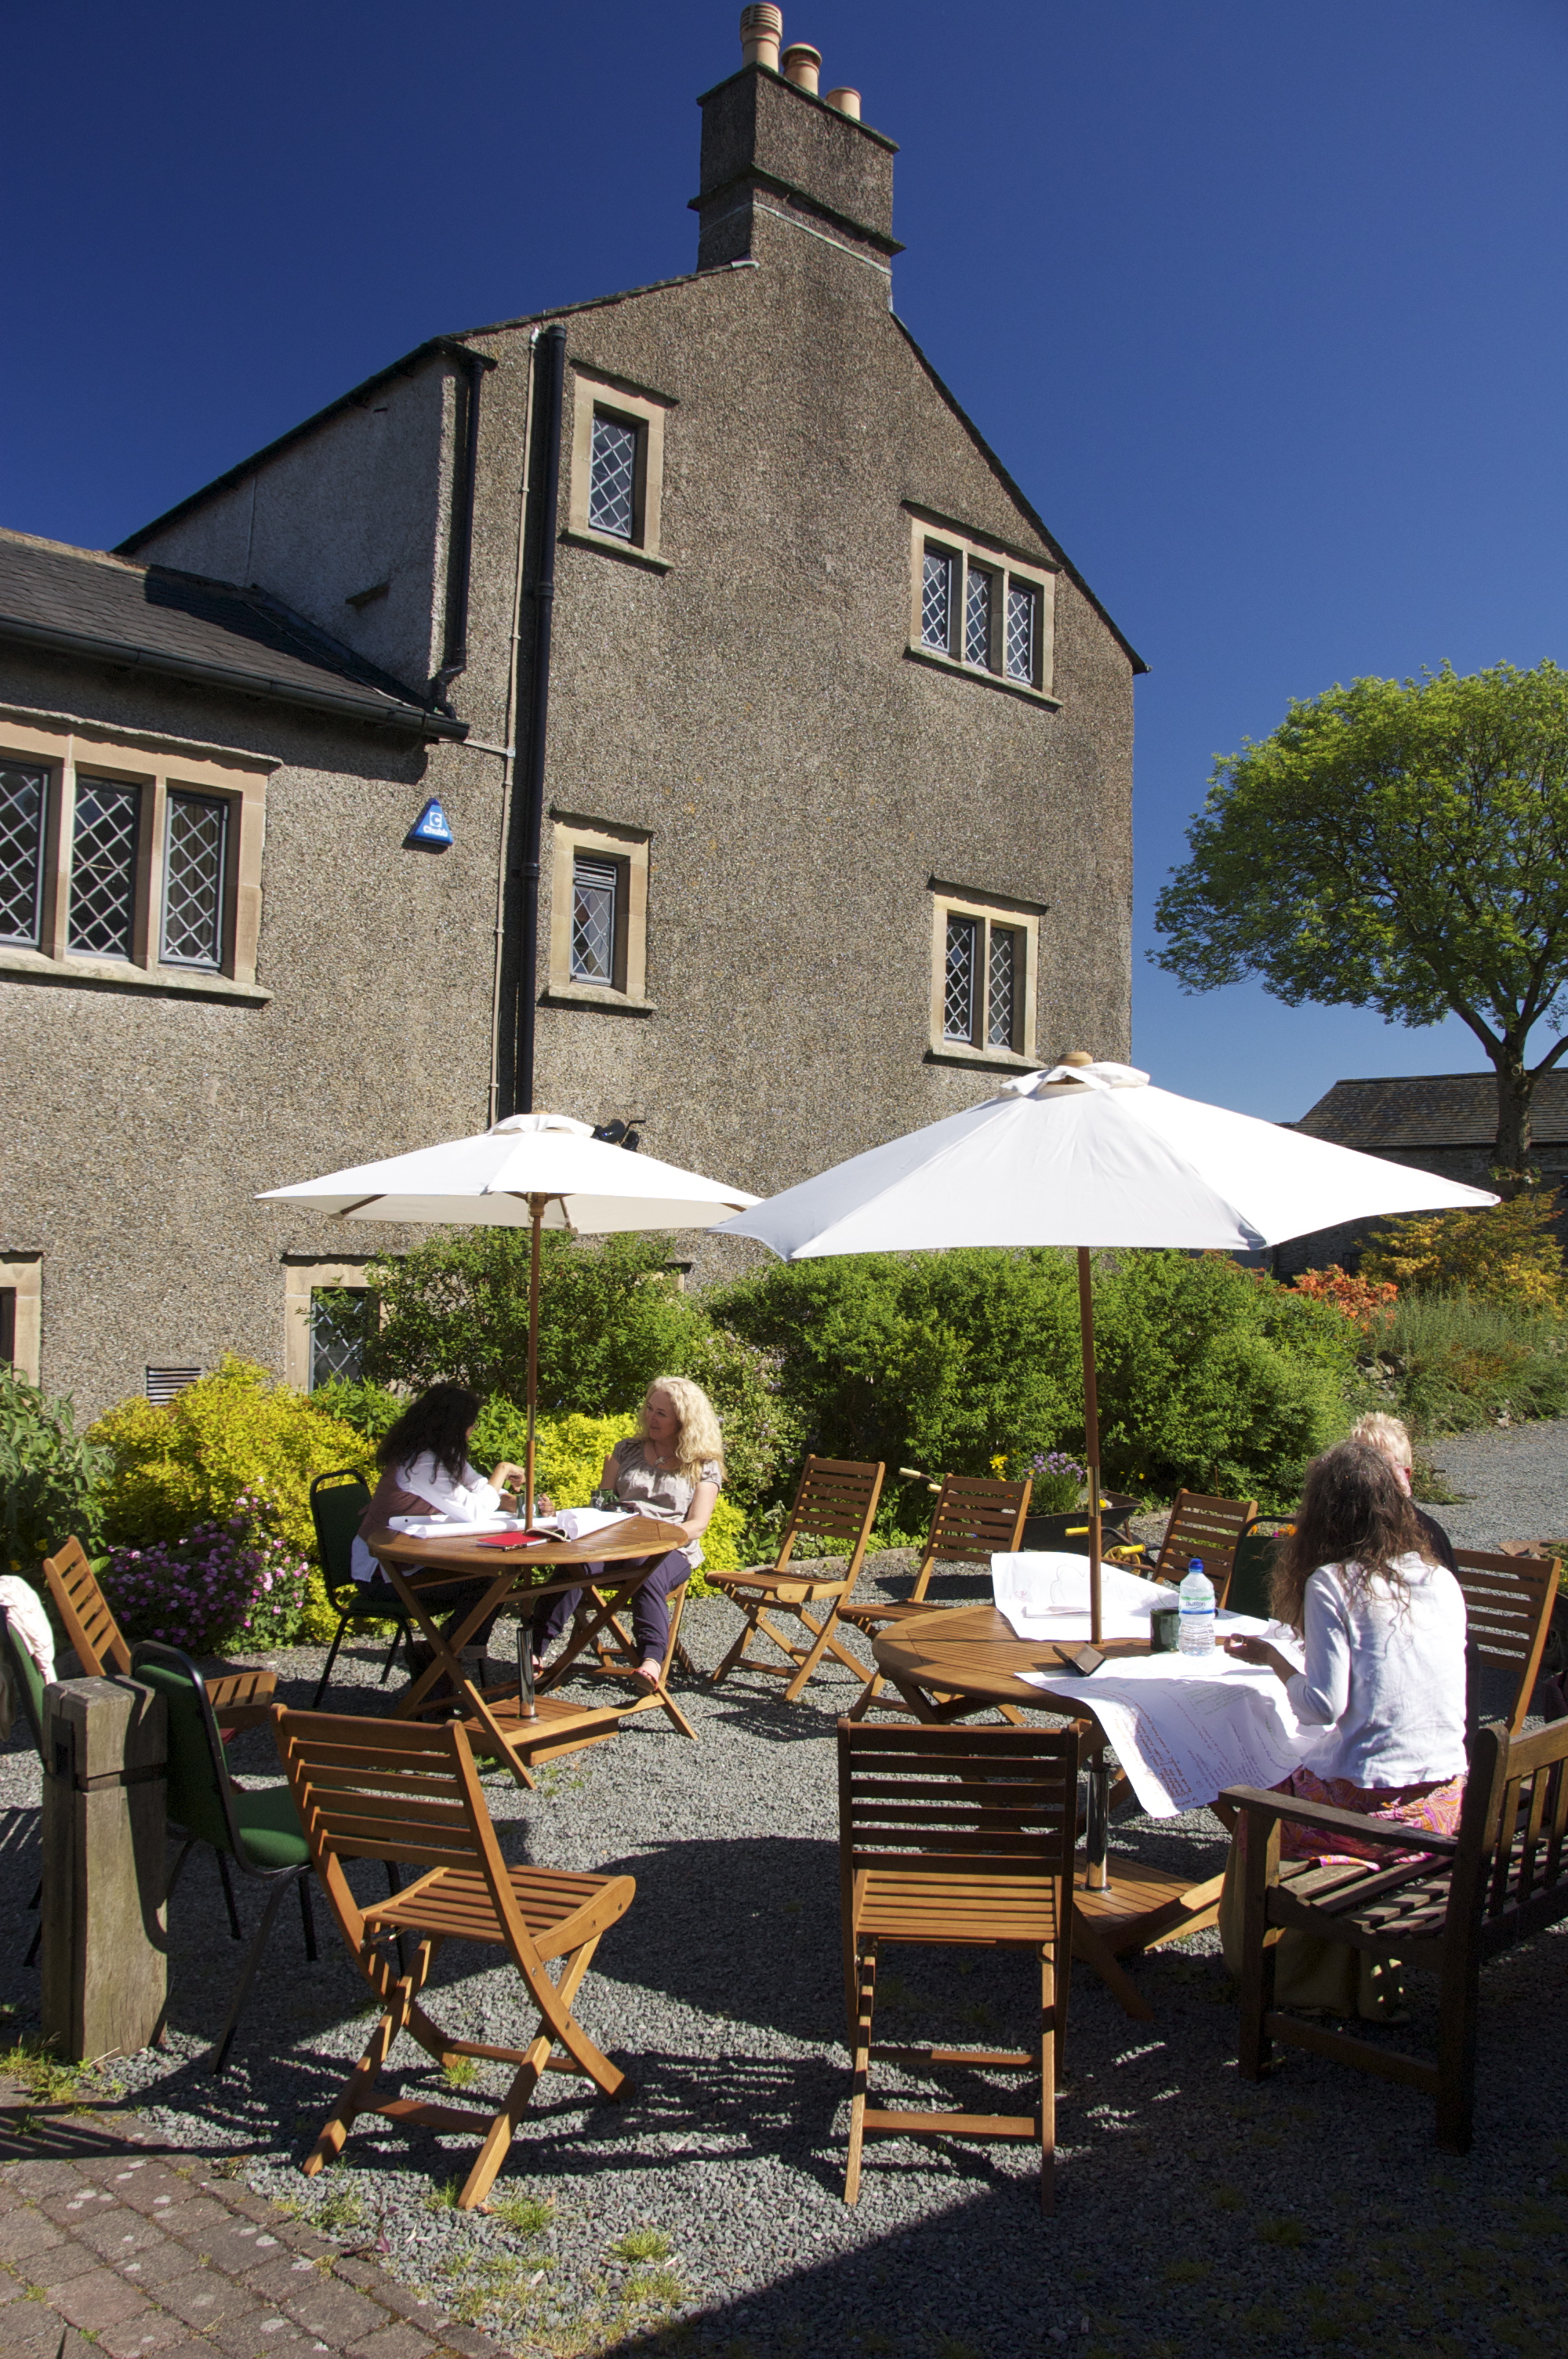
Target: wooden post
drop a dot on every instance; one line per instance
(1091, 1432)
(104, 1957)
(536, 1206)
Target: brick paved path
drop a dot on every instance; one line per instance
(111, 2238)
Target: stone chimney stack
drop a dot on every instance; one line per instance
(780, 162)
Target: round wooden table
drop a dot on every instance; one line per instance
(950, 1663)
(516, 1726)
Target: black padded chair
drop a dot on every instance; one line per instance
(338, 1503)
(256, 1827)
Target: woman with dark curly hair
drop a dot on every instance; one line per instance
(1379, 1698)
(424, 1471)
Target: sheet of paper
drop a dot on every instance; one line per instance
(581, 1523)
(1185, 1727)
(1044, 1594)
(447, 1528)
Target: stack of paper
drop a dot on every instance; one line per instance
(1047, 1596)
(447, 1528)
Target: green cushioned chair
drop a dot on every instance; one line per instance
(338, 1503)
(28, 1685)
(259, 1830)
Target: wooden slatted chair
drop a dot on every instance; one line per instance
(1464, 1898)
(404, 1793)
(975, 1518)
(616, 1655)
(837, 1500)
(1507, 1612)
(960, 1836)
(240, 1699)
(1212, 1528)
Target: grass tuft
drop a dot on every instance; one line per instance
(1283, 2230)
(528, 2215)
(462, 2072)
(643, 2244)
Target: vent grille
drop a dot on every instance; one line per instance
(162, 1384)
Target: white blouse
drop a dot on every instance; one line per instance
(466, 1500)
(1381, 1698)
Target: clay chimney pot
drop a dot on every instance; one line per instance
(761, 30)
(801, 66)
(847, 101)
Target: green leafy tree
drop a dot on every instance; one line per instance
(1400, 845)
(51, 1477)
(455, 1310)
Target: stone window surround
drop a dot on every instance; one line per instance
(133, 757)
(629, 847)
(23, 1275)
(1007, 566)
(638, 407)
(1017, 916)
(302, 1277)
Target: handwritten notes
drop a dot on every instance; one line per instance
(1184, 1728)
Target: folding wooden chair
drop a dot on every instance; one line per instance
(1507, 1612)
(1212, 1528)
(616, 1655)
(837, 1500)
(398, 1791)
(957, 1835)
(1463, 1899)
(975, 1518)
(240, 1699)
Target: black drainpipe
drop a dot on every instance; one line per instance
(554, 341)
(460, 542)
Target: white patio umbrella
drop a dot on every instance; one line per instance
(533, 1171)
(1090, 1156)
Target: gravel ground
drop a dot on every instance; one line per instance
(1513, 1483)
(1197, 2213)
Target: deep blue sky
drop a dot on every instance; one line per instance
(1260, 300)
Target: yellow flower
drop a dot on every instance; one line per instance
(998, 1463)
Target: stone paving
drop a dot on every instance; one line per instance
(113, 2240)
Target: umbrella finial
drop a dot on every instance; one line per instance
(1077, 1057)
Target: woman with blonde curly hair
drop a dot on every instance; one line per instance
(671, 1467)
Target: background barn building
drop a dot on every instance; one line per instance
(774, 732)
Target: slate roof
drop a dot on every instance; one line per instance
(106, 609)
(1428, 1110)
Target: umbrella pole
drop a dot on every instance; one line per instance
(1091, 1433)
(536, 1206)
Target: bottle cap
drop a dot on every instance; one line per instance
(1194, 1564)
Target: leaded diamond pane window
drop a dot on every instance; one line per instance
(612, 477)
(937, 599)
(194, 862)
(103, 869)
(958, 1003)
(1020, 633)
(339, 1321)
(22, 807)
(596, 885)
(977, 617)
(1002, 997)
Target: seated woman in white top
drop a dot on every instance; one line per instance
(424, 1471)
(1380, 1698)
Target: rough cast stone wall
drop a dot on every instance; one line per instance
(138, 1127)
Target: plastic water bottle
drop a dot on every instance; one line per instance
(1196, 1599)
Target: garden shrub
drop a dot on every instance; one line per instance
(1452, 1360)
(455, 1310)
(49, 1476)
(1509, 1254)
(225, 1584)
(235, 1434)
(369, 1409)
(1367, 1301)
(1208, 1375)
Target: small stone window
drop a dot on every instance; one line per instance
(599, 916)
(21, 1313)
(618, 465)
(341, 1322)
(983, 978)
(105, 844)
(195, 874)
(121, 863)
(977, 610)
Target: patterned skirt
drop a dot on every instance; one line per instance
(1432, 1808)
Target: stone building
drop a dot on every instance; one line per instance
(1446, 1123)
(776, 738)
